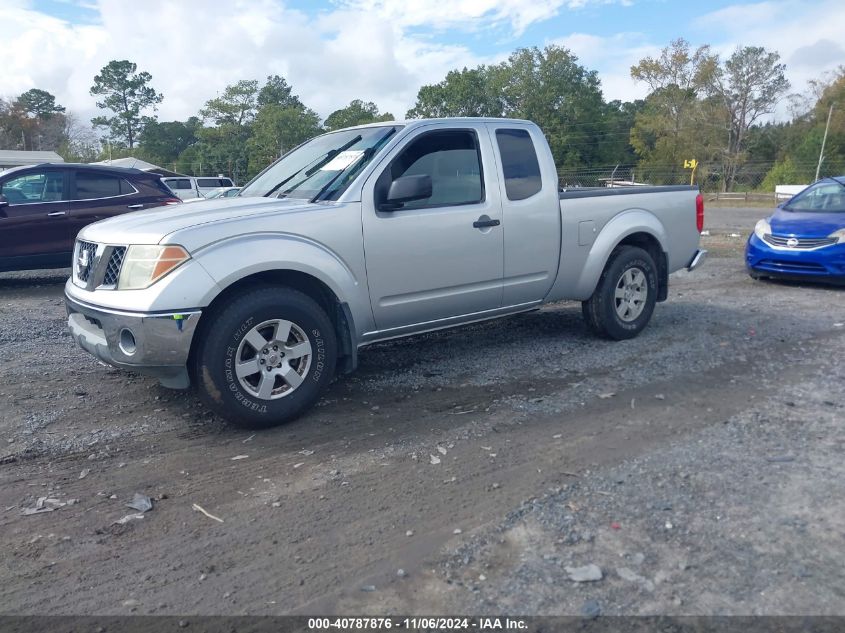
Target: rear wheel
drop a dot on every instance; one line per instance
(624, 299)
(264, 358)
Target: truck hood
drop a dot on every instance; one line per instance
(151, 226)
(806, 223)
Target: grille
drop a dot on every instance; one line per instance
(113, 268)
(84, 272)
(804, 243)
(810, 267)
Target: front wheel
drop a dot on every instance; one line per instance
(624, 299)
(264, 358)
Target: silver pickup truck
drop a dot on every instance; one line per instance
(362, 235)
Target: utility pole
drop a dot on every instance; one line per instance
(824, 140)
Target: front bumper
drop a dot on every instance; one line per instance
(156, 344)
(824, 264)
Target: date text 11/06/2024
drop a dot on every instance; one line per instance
(419, 623)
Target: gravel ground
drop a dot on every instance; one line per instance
(744, 518)
(481, 461)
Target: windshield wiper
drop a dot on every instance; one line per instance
(331, 155)
(366, 156)
(321, 160)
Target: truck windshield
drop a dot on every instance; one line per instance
(322, 168)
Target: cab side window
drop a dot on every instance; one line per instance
(34, 187)
(452, 160)
(519, 164)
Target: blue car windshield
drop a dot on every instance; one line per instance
(322, 168)
(824, 196)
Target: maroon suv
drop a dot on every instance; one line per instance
(43, 207)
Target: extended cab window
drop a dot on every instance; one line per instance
(92, 186)
(213, 182)
(179, 183)
(452, 160)
(519, 164)
(34, 187)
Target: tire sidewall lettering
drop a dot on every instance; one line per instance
(232, 383)
(319, 346)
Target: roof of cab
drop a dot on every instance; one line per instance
(419, 122)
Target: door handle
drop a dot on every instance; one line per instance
(480, 224)
(134, 206)
(56, 214)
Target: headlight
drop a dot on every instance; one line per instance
(839, 235)
(762, 228)
(145, 265)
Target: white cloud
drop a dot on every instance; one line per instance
(379, 50)
(613, 57)
(194, 48)
(806, 35)
(467, 14)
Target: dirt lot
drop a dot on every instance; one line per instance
(698, 467)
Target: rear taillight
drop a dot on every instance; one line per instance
(699, 212)
(172, 201)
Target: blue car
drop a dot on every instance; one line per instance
(804, 238)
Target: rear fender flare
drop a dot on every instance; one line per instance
(612, 234)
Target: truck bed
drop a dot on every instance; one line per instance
(596, 192)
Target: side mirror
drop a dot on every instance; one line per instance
(3, 201)
(407, 189)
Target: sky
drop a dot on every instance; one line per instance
(333, 51)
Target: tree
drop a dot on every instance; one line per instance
(127, 93)
(278, 92)
(833, 95)
(675, 123)
(80, 144)
(356, 113)
(552, 89)
(33, 121)
(467, 92)
(748, 86)
(162, 143)
(38, 103)
(220, 150)
(278, 129)
(547, 86)
(613, 137)
(236, 106)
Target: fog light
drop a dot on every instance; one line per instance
(127, 342)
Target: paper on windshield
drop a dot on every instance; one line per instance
(342, 160)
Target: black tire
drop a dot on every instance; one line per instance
(223, 343)
(600, 311)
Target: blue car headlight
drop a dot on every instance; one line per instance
(762, 229)
(839, 235)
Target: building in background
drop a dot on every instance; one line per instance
(18, 158)
(137, 163)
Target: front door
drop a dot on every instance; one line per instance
(34, 221)
(442, 256)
